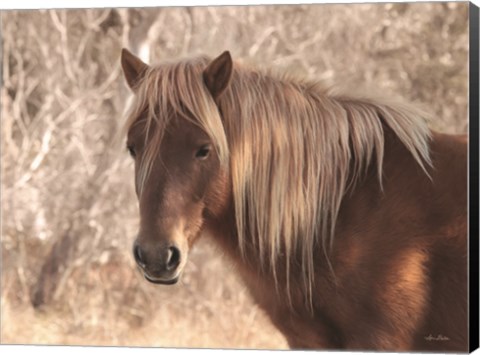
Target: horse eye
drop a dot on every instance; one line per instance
(203, 152)
(131, 150)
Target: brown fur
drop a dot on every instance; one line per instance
(400, 264)
(393, 273)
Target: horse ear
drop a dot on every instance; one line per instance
(133, 68)
(218, 73)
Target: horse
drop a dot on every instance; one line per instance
(345, 215)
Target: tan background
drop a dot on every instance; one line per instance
(69, 213)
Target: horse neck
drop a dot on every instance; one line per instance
(222, 229)
(432, 195)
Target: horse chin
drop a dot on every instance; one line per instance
(161, 281)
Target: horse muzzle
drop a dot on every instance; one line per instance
(161, 281)
(160, 265)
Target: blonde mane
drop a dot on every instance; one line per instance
(289, 147)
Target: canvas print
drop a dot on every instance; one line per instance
(253, 177)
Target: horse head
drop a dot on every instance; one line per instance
(179, 178)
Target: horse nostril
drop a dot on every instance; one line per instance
(137, 254)
(173, 258)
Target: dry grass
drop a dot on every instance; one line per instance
(69, 212)
(113, 305)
